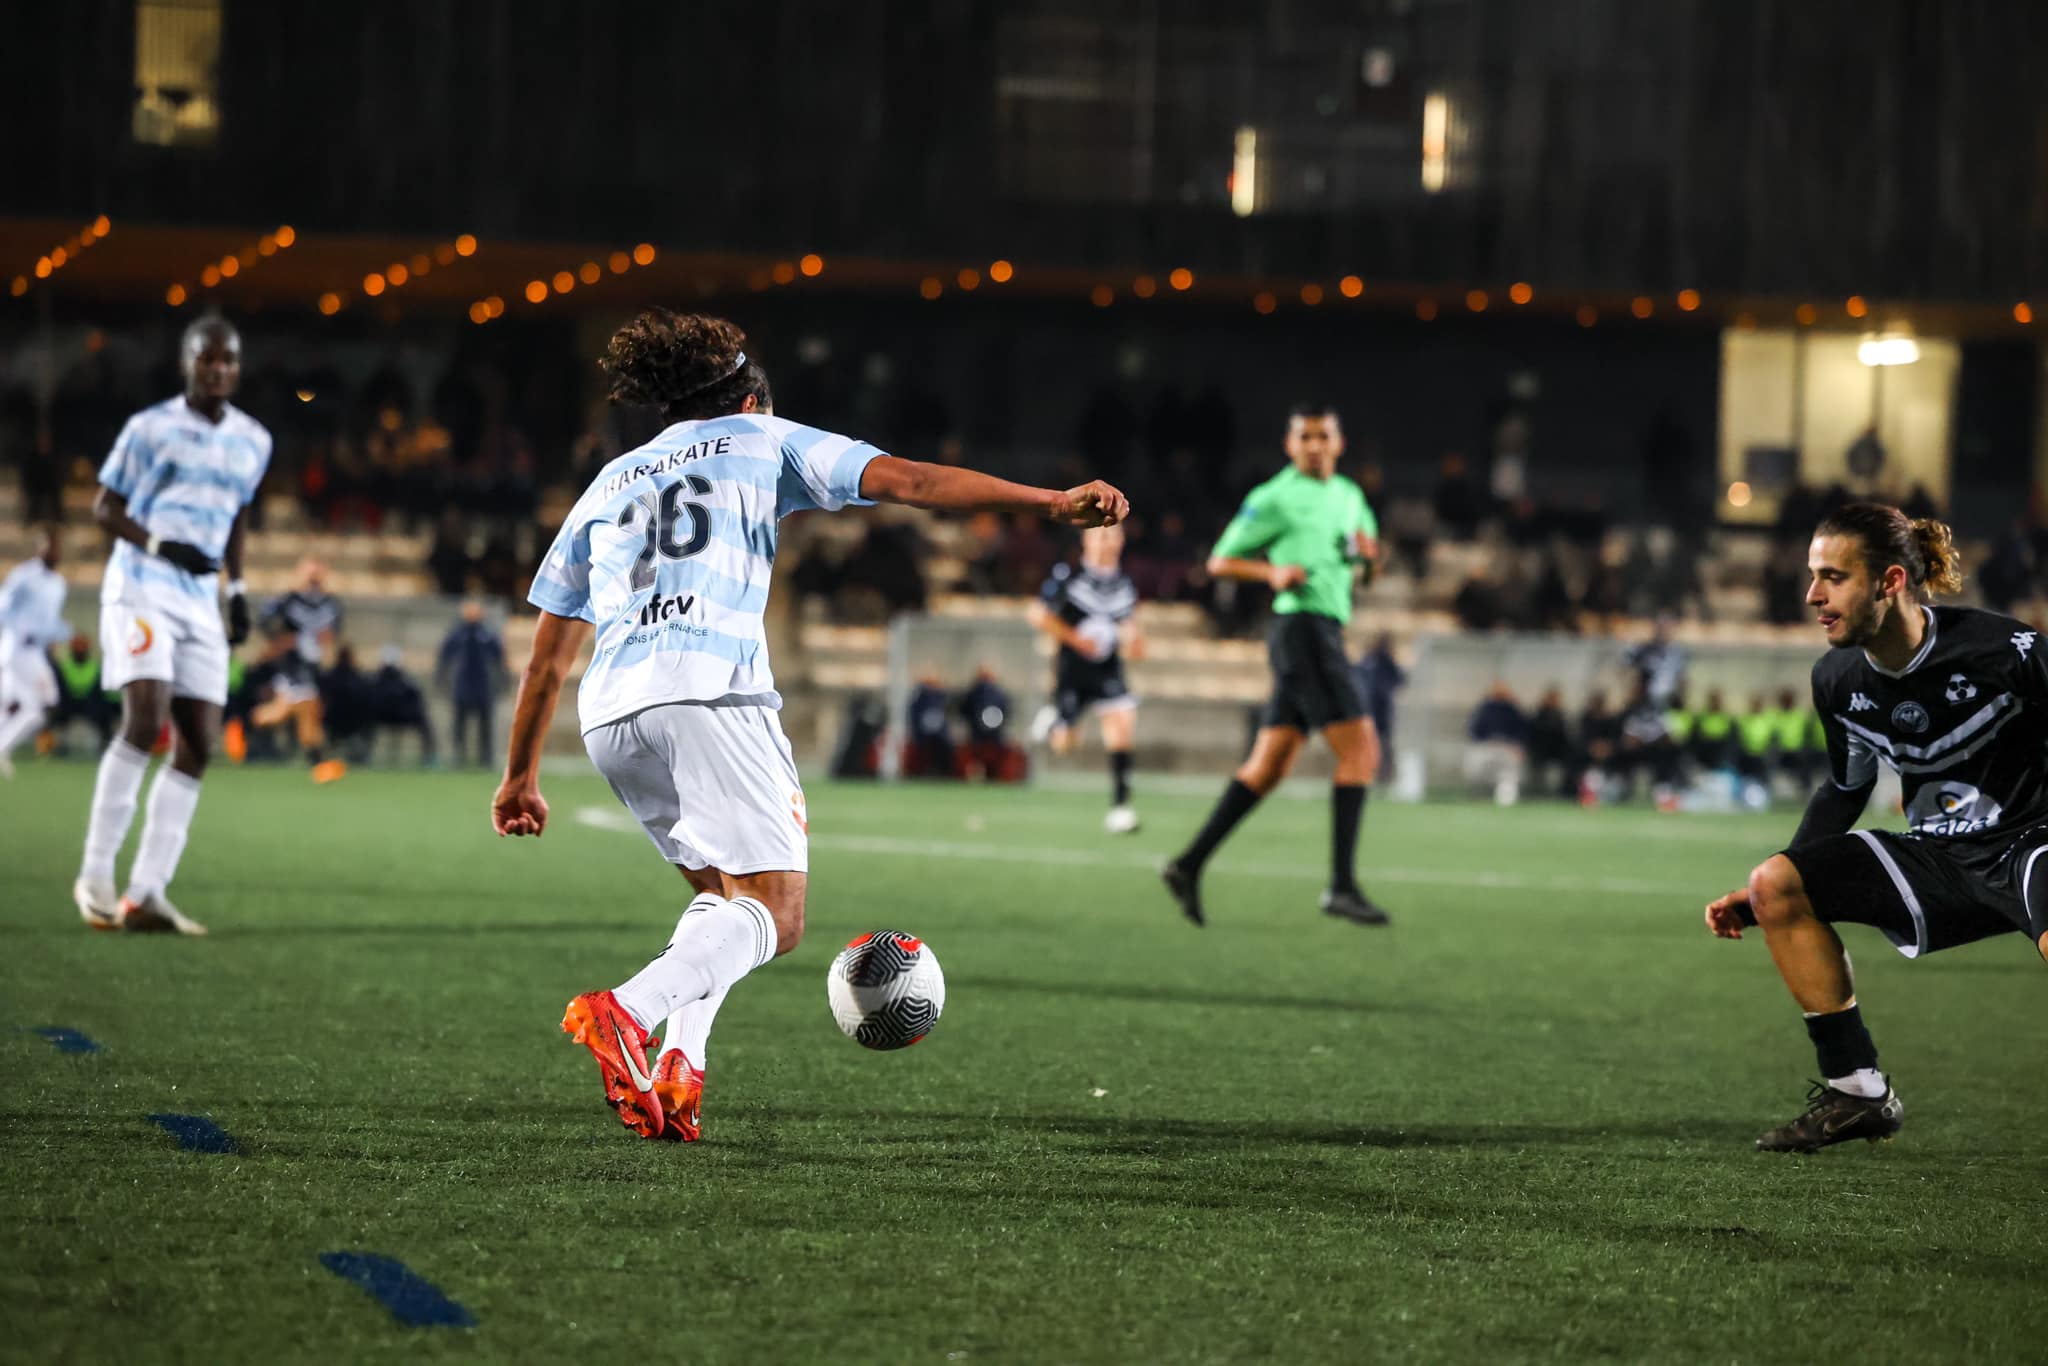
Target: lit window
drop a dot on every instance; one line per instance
(177, 70)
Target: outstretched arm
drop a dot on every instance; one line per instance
(1278, 577)
(518, 808)
(914, 483)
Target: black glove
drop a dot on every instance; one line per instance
(238, 619)
(187, 557)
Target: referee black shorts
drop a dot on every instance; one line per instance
(1313, 684)
(1926, 893)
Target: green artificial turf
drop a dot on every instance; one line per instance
(1517, 1125)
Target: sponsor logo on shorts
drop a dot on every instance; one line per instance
(799, 811)
(1910, 717)
(141, 638)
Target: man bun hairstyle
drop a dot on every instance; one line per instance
(1924, 547)
(689, 365)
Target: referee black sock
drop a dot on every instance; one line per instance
(1347, 813)
(1841, 1043)
(1233, 806)
(1120, 777)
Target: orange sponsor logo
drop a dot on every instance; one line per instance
(800, 811)
(141, 638)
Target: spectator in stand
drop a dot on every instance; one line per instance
(395, 702)
(1549, 746)
(1496, 751)
(1784, 585)
(986, 709)
(1478, 604)
(1755, 732)
(1599, 747)
(1456, 500)
(471, 666)
(1712, 746)
(79, 695)
(2008, 572)
(1380, 676)
(449, 560)
(1795, 760)
(928, 745)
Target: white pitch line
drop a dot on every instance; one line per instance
(604, 819)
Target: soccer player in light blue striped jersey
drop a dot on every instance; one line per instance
(665, 560)
(173, 492)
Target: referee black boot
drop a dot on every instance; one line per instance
(1833, 1116)
(1185, 885)
(1348, 903)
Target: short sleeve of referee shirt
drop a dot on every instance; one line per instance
(1255, 527)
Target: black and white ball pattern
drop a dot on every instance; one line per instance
(886, 990)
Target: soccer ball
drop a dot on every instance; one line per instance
(886, 990)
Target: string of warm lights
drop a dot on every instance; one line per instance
(399, 274)
(538, 290)
(213, 273)
(61, 255)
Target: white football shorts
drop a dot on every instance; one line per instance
(26, 674)
(169, 637)
(714, 786)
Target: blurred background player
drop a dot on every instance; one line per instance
(309, 619)
(1091, 612)
(471, 665)
(174, 492)
(1314, 528)
(667, 555)
(31, 621)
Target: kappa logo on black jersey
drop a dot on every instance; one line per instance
(1858, 702)
(2023, 641)
(1960, 689)
(1910, 717)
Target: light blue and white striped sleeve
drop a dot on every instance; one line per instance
(562, 583)
(129, 461)
(820, 470)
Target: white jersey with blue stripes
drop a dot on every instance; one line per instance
(669, 552)
(32, 606)
(185, 479)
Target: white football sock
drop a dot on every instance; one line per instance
(716, 943)
(1867, 1082)
(18, 727)
(689, 1028)
(113, 807)
(172, 798)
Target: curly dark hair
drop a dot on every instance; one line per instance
(689, 365)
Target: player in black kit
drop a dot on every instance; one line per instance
(1956, 700)
(1092, 613)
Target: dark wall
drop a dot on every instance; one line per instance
(1887, 147)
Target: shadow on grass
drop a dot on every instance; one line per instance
(1193, 995)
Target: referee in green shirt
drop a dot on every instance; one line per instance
(1314, 529)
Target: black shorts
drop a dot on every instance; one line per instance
(1313, 682)
(1087, 685)
(1927, 893)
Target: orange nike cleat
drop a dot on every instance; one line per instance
(680, 1089)
(329, 770)
(598, 1022)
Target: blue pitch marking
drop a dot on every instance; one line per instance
(412, 1299)
(67, 1040)
(196, 1133)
